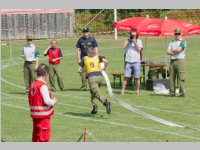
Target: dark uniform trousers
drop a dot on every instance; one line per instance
(95, 83)
(177, 72)
(29, 73)
(54, 70)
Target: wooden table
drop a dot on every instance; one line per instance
(150, 65)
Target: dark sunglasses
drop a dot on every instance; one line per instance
(177, 34)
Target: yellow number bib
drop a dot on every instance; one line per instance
(91, 64)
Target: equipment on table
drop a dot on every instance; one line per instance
(153, 82)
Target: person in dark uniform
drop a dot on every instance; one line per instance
(84, 42)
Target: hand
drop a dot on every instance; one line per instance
(22, 56)
(134, 41)
(54, 60)
(79, 70)
(36, 66)
(78, 61)
(55, 100)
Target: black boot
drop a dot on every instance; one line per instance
(94, 110)
(107, 105)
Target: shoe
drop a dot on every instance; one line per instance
(62, 90)
(182, 95)
(172, 95)
(26, 92)
(53, 89)
(94, 110)
(107, 105)
(83, 88)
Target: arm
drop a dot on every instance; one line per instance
(80, 69)
(96, 50)
(59, 58)
(45, 94)
(138, 45)
(81, 66)
(181, 47)
(36, 62)
(171, 51)
(105, 62)
(125, 44)
(22, 56)
(46, 51)
(37, 54)
(78, 55)
(56, 59)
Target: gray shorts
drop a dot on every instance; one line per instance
(132, 67)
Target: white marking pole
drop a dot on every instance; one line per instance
(9, 38)
(134, 109)
(115, 19)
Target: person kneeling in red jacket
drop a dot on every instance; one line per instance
(41, 105)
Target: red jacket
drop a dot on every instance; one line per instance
(38, 108)
(54, 54)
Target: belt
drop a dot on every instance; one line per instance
(30, 62)
(176, 59)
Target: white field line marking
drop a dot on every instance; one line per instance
(70, 105)
(9, 95)
(186, 125)
(109, 122)
(80, 97)
(134, 109)
(158, 119)
(168, 111)
(139, 106)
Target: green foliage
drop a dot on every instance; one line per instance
(105, 21)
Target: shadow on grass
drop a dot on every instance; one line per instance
(17, 93)
(72, 89)
(160, 95)
(88, 114)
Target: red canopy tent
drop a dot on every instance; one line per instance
(133, 23)
(166, 27)
(146, 26)
(156, 27)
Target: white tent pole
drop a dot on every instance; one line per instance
(115, 19)
(9, 38)
(165, 57)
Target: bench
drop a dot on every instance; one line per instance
(118, 75)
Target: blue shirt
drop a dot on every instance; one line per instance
(84, 43)
(92, 73)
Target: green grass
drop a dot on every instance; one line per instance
(73, 109)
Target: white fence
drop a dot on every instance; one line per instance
(39, 23)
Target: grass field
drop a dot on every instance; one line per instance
(73, 109)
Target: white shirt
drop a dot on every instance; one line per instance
(45, 95)
(29, 52)
(174, 44)
(132, 54)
